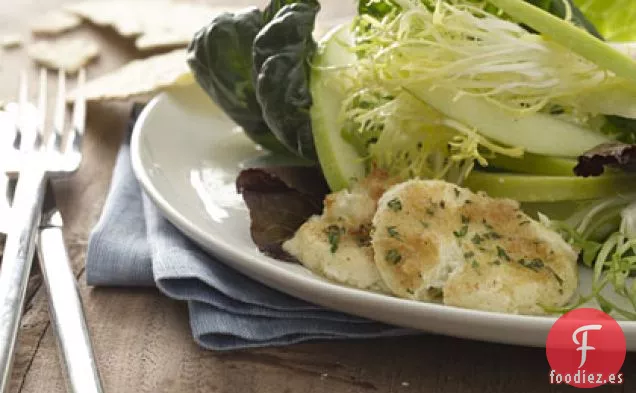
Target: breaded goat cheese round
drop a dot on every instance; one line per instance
(337, 244)
(435, 241)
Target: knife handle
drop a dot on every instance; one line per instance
(16, 264)
(67, 315)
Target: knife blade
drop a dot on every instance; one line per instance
(65, 305)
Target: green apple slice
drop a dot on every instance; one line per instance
(537, 188)
(339, 160)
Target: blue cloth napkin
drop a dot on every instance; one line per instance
(134, 245)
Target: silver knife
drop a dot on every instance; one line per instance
(65, 305)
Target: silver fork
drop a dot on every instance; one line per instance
(43, 159)
(7, 122)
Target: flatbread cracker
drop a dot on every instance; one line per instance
(140, 77)
(154, 23)
(55, 22)
(66, 54)
(8, 41)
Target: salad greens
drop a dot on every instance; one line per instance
(614, 19)
(571, 36)
(280, 52)
(220, 58)
(613, 155)
(567, 9)
(525, 99)
(280, 200)
(238, 56)
(500, 90)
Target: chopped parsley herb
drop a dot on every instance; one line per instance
(494, 235)
(501, 253)
(534, 264)
(519, 216)
(393, 232)
(488, 226)
(410, 291)
(477, 239)
(556, 276)
(475, 264)
(395, 205)
(430, 211)
(442, 204)
(333, 235)
(538, 263)
(393, 256)
(469, 254)
(496, 262)
(462, 231)
(424, 224)
(465, 220)
(457, 192)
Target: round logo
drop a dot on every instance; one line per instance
(586, 348)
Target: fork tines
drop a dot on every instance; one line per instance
(32, 122)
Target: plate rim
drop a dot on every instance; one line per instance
(269, 273)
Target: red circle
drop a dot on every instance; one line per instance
(597, 355)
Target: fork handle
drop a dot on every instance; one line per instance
(65, 307)
(16, 263)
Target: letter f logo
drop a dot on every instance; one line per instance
(583, 343)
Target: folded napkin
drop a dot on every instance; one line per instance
(134, 245)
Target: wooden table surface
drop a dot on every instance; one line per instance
(142, 339)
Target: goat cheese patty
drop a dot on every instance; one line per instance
(436, 241)
(337, 244)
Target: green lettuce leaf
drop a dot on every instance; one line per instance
(220, 57)
(281, 54)
(615, 19)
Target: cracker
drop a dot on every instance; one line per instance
(11, 40)
(154, 24)
(54, 23)
(66, 54)
(140, 77)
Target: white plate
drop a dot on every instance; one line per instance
(186, 153)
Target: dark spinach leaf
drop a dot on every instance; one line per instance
(280, 200)
(275, 6)
(220, 57)
(281, 54)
